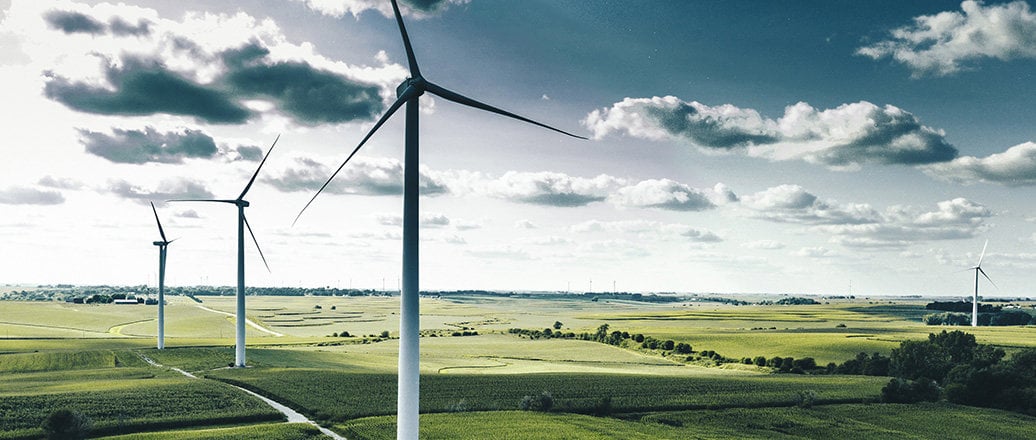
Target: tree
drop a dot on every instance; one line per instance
(683, 348)
(602, 333)
(66, 424)
(557, 325)
(760, 361)
(916, 359)
(900, 390)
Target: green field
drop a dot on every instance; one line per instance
(331, 395)
(89, 358)
(855, 421)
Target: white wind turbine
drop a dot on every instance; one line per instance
(408, 93)
(161, 278)
(974, 299)
(242, 223)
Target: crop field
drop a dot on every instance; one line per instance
(123, 399)
(330, 395)
(856, 421)
(293, 431)
(88, 357)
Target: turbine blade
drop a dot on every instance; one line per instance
(407, 94)
(256, 243)
(983, 255)
(160, 231)
(987, 276)
(415, 72)
(464, 100)
(252, 180)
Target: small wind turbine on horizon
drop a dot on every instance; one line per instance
(161, 278)
(242, 223)
(974, 299)
(408, 93)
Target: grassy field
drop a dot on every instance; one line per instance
(86, 357)
(880, 422)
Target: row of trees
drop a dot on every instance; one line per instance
(1001, 318)
(953, 366)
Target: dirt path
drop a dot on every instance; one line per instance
(247, 321)
(292, 415)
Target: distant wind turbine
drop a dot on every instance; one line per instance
(161, 278)
(408, 93)
(242, 223)
(974, 299)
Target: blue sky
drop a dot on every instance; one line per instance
(734, 146)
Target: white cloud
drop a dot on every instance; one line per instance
(662, 194)
(648, 229)
(844, 137)
(1014, 167)
(22, 195)
(814, 252)
(947, 42)
(362, 175)
(524, 224)
(862, 226)
(763, 244)
(551, 189)
(793, 204)
(338, 8)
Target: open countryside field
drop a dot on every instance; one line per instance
(89, 356)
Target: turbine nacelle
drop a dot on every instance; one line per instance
(160, 243)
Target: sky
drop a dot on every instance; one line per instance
(821, 147)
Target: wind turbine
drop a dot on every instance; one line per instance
(408, 93)
(242, 223)
(974, 299)
(161, 278)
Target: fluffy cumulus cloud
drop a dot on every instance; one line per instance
(151, 145)
(793, 204)
(662, 194)
(1014, 167)
(843, 137)
(860, 225)
(948, 42)
(140, 64)
(167, 189)
(414, 8)
(23, 195)
(384, 176)
(551, 189)
(361, 176)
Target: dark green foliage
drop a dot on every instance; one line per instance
(760, 361)
(65, 424)
(961, 306)
(543, 402)
(916, 359)
(900, 390)
(683, 348)
(873, 365)
(946, 318)
(557, 325)
(1011, 317)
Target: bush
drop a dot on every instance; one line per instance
(900, 390)
(806, 399)
(683, 348)
(544, 402)
(66, 424)
(760, 361)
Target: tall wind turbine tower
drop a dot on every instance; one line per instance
(161, 278)
(242, 223)
(974, 299)
(409, 324)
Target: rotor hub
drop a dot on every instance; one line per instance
(416, 83)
